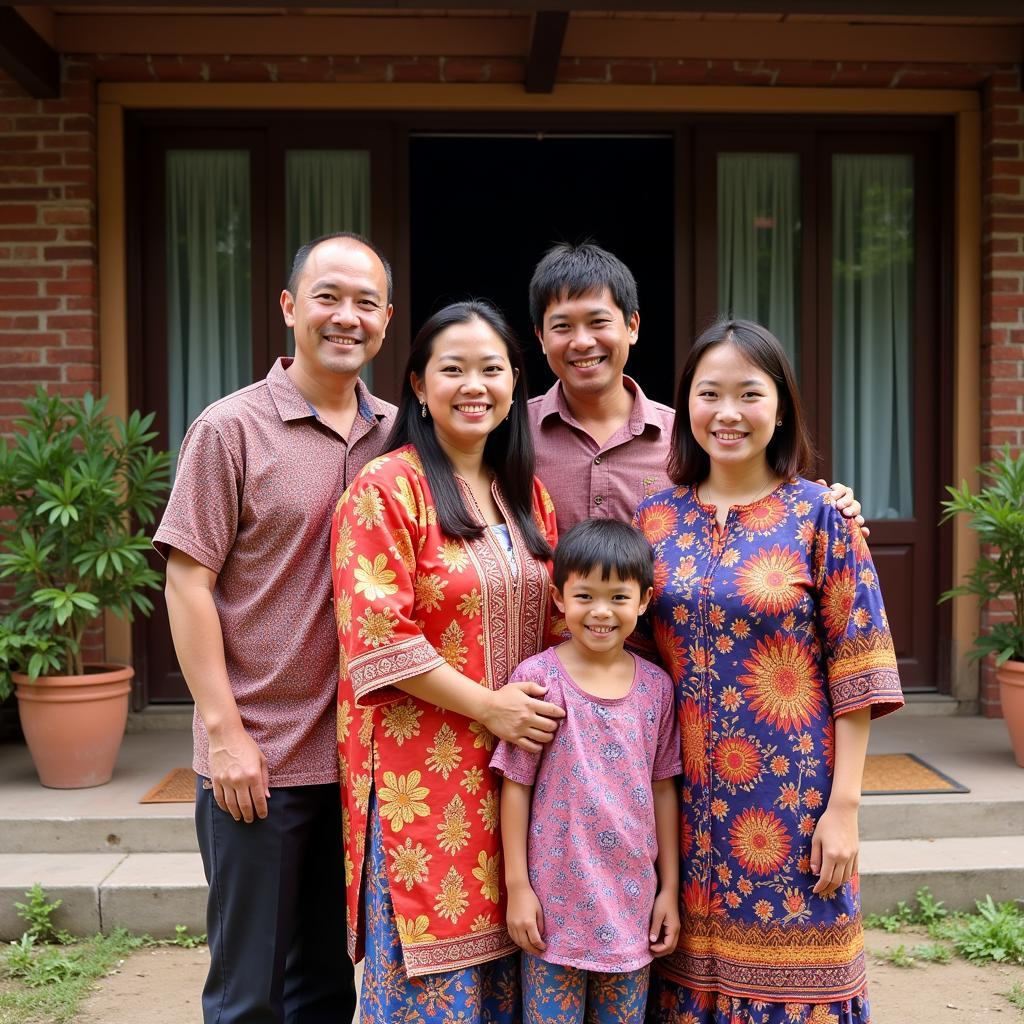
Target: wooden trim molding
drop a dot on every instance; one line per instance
(496, 97)
(27, 57)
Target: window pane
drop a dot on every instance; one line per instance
(759, 242)
(872, 330)
(325, 191)
(209, 281)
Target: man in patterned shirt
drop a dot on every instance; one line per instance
(602, 446)
(246, 536)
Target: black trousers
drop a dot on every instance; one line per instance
(275, 916)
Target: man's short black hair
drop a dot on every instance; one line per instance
(569, 271)
(303, 251)
(613, 545)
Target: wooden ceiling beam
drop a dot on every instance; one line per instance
(27, 57)
(545, 50)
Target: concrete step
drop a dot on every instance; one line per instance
(958, 870)
(154, 892)
(172, 833)
(933, 815)
(142, 892)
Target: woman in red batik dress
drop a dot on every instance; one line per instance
(767, 614)
(440, 563)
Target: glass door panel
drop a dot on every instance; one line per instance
(209, 281)
(758, 250)
(872, 330)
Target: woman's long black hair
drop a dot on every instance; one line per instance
(508, 451)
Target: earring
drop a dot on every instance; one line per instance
(423, 410)
(778, 423)
(509, 413)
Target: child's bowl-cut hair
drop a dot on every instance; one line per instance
(613, 545)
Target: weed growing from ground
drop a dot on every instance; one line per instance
(995, 933)
(1016, 996)
(900, 956)
(53, 971)
(925, 910)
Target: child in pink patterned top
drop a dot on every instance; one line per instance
(589, 826)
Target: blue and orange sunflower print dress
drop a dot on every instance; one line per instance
(770, 628)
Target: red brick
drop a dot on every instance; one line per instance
(79, 354)
(11, 356)
(67, 215)
(28, 194)
(583, 71)
(1005, 186)
(680, 72)
(40, 373)
(69, 252)
(35, 304)
(24, 287)
(416, 70)
(75, 303)
(18, 323)
(49, 123)
(34, 159)
(18, 213)
(1004, 284)
(67, 140)
(64, 321)
(19, 143)
(80, 337)
(631, 72)
(18, 176)
(82, 287)
(37, 271)
(28, 234)
(85, 373)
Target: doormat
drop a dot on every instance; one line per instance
(905, 773)
(178, 786)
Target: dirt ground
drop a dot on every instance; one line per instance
(162, 986)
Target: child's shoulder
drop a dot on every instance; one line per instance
(652, 674)
(537, 667)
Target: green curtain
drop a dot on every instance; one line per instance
(872, 330)
(209, 281)
(759, 242)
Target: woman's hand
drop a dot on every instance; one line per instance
(514, 713)
(835, 847)
(525, 919)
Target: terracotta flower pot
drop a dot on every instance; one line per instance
(1010, 677)
(74, 724)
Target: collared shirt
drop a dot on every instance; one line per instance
(587, 480)
(258, 477)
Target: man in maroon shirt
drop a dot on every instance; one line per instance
(601, 444)
(246, 536)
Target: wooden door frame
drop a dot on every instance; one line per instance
(963, 106)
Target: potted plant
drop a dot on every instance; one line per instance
(75, 485)
(996, 514)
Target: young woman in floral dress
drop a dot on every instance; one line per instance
(440, 562)
(768, 616)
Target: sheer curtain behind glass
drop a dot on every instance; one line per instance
(872, 330)
(209, 281)
(759, 241)
(325, 191)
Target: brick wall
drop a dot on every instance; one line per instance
(1002, 353)
(48, 310)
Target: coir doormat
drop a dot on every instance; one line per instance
(883, 774)
(905, 773)
(178, 786)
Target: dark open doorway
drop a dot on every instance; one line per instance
(483, 209)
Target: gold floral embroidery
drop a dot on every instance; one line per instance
(350, 868)
(481, 923)
(402, 721)
(453, 832)
(429, 590)
(486, 873)
(446, 753)
(376, 628)
(344, 720)
(472, 779)
(409, 863)
(411, 932)
(451, 648)
(401, 799)
(481, 736)
(454, 555)
(489, 811)
(346, 824)
(361, 787)
(365, 727)
(452, 900)
(369, 508)
(471, 604)
(402, 549)
(343, 611)
(345, 545)
(375, 580)
(411, 458)
(407, 499)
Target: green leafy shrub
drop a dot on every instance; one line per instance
(75, 487)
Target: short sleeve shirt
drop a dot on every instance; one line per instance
(591, 481)
(258, 477)
(592, 847)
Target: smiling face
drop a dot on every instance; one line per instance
(339, 312)
(734, 406)
(587, 341)
(467, 384)
(600, 614)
